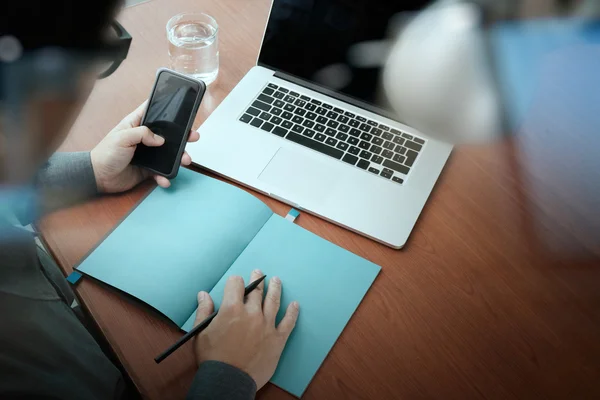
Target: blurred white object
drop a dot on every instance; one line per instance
(437, 78)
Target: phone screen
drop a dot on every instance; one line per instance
(170, 108)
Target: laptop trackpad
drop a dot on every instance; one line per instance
(298, 178)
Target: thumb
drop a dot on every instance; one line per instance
(140, 134)
(205, 307)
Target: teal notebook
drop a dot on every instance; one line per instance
(195, 234)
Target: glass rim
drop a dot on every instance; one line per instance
(191, 14)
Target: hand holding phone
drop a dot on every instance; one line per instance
(172, 108)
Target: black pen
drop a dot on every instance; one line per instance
(202, 325)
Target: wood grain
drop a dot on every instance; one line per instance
(494, 297)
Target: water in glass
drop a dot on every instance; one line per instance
(194, 49)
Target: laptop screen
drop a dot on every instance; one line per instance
(336, 44)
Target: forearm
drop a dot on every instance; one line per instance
(216, 380)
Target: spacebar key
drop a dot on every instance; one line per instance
(313, 144)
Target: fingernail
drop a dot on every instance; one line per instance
(159, 139)
(295, 305)
(276, 279)
(257, 272)
(201, 296)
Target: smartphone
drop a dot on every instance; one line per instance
(171, 111)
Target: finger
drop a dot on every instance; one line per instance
(234, 291)
(186, 159)
(272, 300)
(205, 307)
(255, 297)
(141, 134)
(162, 181)
(287, 324)
(194, 136)
(134, 119)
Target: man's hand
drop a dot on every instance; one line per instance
(245, 335)
(111, 158)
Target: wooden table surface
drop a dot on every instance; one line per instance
(495, 296)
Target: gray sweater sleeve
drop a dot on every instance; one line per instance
(219, 381)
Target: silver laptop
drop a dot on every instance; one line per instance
(309, 125)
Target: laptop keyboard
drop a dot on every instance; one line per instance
(366, 144)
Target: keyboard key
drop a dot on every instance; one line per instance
(354, 150)
(341, 136)
(290, 99)
(315, 101)
(308, 123)
(333, 124)
(297, 119)
(338, 110)
(276, 111)
(305, 98)
(398, 140)
(287, 124)
(411, 156)
(312, 144)
(268, 91)
(309, 132)
(300, 111)
(376, 131)
(377, 141)
(383, 127)
(396, 167)
(364, 145)
(398, 179)
(365, 128)
(267, 126)
(279, 95)
(366, 136)
(276, 120)
(284, 90)
(366, 155)
(374, 170)
(361, 119)
(295, 94)
(388, 136)
(287, 115)
(310, 107)
(272, 86)
(265, 99)
(298, 129)
(331, 141)
(350, 159)
(400, 149)
(322, 120)
(372, 123)
(327, 106)
(279, 131)
(395, 131)
(279, 103)
(386, 174)
(311, 115)
(413, 146)
(377, 159)
(253, 111)
(354, 123)
(399, 159)
(376, 149)
(342, 119)
(349, 114)
(342, 145)
(353, 140)
(265, 115)
(332, 115)
(419, 140)
(300, 103)
(320, 128)
(407, 136)
(364, 164)
(320, 137)
(246, 118)
(389, 145)
(330, 132)
(387, 154)
(344, 128)
(261, 106)
(257, 122)
(289, 107)
(355, 132)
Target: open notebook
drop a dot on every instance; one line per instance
(195, 234)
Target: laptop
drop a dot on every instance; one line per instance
(309, 124)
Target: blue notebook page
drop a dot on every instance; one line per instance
(177, 242)
(328, 282)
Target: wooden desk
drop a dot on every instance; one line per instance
(495, 296)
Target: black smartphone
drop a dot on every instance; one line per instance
(171, 111)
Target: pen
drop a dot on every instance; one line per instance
(202, 325)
